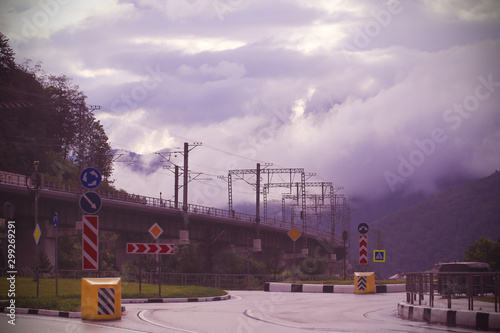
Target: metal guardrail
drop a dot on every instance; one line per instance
(20, 180)
(452, 285)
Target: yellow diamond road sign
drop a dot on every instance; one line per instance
(294, 234)
(37, 233)
(155, 231)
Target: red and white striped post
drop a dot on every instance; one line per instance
(90, 242)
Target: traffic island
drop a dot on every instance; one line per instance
(328, 288)
(66, 314)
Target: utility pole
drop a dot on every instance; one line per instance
(257, 203)
(176, 186)
(186, 173)
(186, 178)
(176, 177)
(184, 233)
(240, 175)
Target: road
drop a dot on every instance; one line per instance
(246, 312)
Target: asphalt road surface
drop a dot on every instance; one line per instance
(245, 312)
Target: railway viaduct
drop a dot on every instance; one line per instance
(133, 215)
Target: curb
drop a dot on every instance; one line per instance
(66, 314)
(328, 288)
(176, 300)
(41, 312)
(483, 321)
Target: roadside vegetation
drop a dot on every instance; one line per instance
(69, 291)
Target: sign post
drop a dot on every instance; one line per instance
(363, 249)
(155, 230)
(363, 244)
(90, 203)
(294, 234)
(57, 252)
(37, 234)
(90, 242)
(150, 248)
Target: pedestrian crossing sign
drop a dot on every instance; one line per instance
(379, 256)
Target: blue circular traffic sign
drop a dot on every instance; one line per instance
(90, 202)
(363, 228)
(90, 178)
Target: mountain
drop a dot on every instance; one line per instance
(144, 164)
(438, 229)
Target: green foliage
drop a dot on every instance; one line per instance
(107, 251)
(70, 252)
(485, 250)
(312, 266)
(69, 293)
(187, 260)
(68, 303)
(6, 56)
(229, 262)
(44, 263)
(129, 271)
(273, 261)
(45, 119)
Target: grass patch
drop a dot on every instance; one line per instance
(490, 299)
(69, 291)
(64, 303)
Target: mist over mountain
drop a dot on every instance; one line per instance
(437, 229)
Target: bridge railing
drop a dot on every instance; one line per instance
(20, 180)
(12, 178)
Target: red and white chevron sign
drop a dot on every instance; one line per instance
(363, 249)
(90, 242)
(150, 248)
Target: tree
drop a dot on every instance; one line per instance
(187, 260)
(485, 250)
(7, 62)
(45, 118)
(273, 260)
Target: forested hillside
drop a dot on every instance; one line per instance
(441, 228)
(44, 118)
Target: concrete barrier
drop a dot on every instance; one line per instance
(344, 289)
(327, 288)
(484, 321)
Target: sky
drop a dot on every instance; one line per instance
(373, 96)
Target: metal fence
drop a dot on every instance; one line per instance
(221, 281)
(451, 286)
